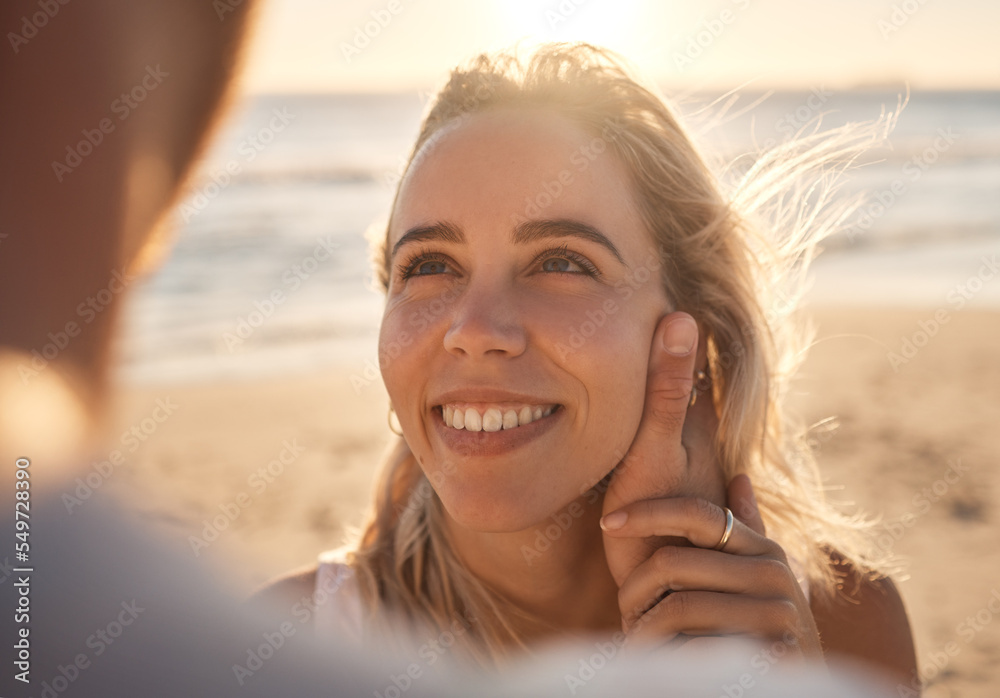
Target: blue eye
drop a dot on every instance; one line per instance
(564, 258)
(428, 266)
(423, 264)
(561, 264)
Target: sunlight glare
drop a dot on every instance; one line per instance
(612, 24)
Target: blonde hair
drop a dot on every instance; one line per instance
(734, 260)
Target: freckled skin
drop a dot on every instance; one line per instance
(489, 314)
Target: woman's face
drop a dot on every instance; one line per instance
(524, 293)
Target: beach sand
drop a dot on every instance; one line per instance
(930, 425)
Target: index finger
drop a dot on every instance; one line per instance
(698, 520)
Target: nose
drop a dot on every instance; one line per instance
(485, 321)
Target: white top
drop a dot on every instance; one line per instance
(339, 607)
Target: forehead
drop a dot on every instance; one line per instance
(490, 171)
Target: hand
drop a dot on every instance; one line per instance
(673, 452)
(747, 588)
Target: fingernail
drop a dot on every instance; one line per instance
(680, 336)
(614, 521)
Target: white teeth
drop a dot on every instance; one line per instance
(509, 419)
(524, 416)
(492, 420)
(473, 421)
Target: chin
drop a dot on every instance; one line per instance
(481, 509)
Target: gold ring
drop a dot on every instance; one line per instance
(729, 530)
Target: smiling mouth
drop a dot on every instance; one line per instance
(492, 418)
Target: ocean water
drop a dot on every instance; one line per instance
(269, 270)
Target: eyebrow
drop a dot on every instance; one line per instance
(524, 233)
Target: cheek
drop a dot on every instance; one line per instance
(398, 347)
(615, 363)
(609, 356)
(412, 328)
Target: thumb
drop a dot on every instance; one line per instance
(741, 500)
(671, 376)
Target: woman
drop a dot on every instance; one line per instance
(579, 324)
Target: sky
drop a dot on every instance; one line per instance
(393, 45)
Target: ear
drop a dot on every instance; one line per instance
(705, 392)
(701, 358)
(704, 411)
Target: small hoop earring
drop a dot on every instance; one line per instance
(702, 384)
(391, 427)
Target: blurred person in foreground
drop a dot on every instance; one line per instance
(95, 604)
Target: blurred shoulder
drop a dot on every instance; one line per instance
(287, 589)
(865, 619)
